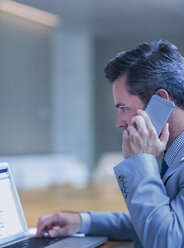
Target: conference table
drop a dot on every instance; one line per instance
(93, 197)
(117, 244)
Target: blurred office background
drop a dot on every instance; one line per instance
(57, 116)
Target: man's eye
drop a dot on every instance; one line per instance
(123, 108)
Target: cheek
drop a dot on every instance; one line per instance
(128, 118)
(130, 115)
(138, 105)
(141, 106)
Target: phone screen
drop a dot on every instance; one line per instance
(159, 111)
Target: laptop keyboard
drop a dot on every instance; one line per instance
(34, 242)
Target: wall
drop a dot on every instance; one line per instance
(24, 86)
(46, 90)
(73, 95)
(53, 94)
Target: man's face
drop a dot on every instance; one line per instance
(126, 103)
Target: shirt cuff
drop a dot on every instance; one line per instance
(86, 222)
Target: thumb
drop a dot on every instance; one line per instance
(57, 232)
(165, 134)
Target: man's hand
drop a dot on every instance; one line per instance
(59, 224)
(141, 137)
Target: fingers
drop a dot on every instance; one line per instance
(139, 123)
(147, 120)
(59, 224)
(125, 136)
(164, 137)
(125, 146)
(133, 134)
(46, 223)
(141, 137)
(131, 141)
(56, 232)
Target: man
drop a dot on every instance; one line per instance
(155, 204)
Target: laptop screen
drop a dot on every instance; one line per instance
(11, 222)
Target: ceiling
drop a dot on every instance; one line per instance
(114, 16)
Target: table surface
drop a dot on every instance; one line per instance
(96, 197)
(117, 244)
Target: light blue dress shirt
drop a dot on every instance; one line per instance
(174, 149)
(86, 222)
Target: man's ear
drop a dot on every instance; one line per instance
(163, 93)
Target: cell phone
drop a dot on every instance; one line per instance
(159, 111)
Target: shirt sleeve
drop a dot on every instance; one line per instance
(86, 222)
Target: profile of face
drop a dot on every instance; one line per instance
(126, 103)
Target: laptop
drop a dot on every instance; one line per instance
(14, 232)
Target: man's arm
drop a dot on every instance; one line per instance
(116, 226)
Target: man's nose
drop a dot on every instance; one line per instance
(120, 123)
